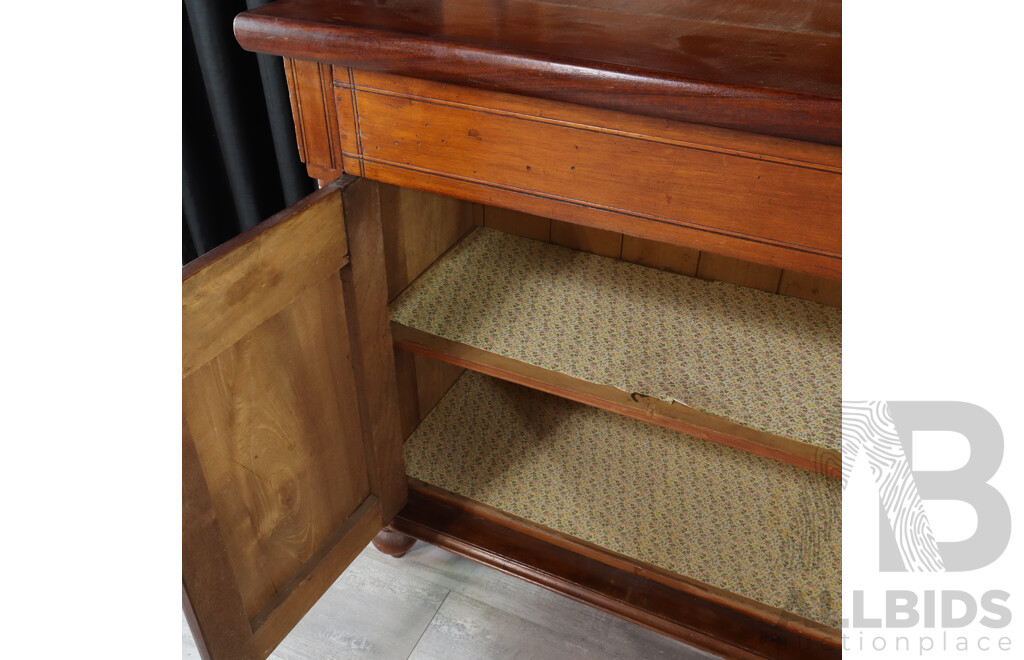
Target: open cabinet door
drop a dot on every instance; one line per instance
(291, 453)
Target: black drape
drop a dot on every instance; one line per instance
(239, 160)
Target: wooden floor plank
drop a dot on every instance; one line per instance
(467, 628)
(385, 608)
(373, 611)
(536, 604)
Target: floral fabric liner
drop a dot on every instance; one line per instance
(769, 362)
(750, 525)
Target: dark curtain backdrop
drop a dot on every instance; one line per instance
(239, 160)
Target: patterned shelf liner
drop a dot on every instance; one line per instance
(750, 525)
(769, 362)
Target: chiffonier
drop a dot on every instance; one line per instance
(495, 327)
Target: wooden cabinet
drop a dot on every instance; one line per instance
(299, 391)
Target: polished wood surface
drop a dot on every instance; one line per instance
(316, 131)
(648, 409)
(286, 474)
(686, 610)
(764, 66)
(767, 200)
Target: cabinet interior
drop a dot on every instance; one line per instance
(765, 367)
(748, 525)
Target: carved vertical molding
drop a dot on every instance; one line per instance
(310, 89)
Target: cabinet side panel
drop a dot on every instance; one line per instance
(418, 228)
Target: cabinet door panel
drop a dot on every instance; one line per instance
(282, 486)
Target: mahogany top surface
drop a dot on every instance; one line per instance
(768, 66)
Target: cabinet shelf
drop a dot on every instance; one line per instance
(752, 370)
(749, 526)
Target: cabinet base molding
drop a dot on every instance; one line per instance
(696, 614)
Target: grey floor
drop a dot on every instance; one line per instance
(433, 604)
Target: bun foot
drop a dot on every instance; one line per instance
(393, 543)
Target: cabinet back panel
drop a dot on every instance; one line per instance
(666, 256)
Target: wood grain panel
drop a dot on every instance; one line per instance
(422, 382)
(408, 394)
(826, 266)
(740, 197)
(518, 223)
(433, 380)
(647, 409)
(782, 223)
(275, 420)
(279, 616)
(809, 287)
(210, 599)
(418, 228)
(279, 418)
(663, 256)
(740, 143)
(596, 241)
(767, 200)
(313, 111)
(347, 111)
(237, 286)
(373, 360)
(736, 271)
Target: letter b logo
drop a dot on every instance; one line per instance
(883, 432)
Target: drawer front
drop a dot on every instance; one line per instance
(767, 200)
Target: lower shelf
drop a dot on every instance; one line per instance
(742, 524)
(683, 609)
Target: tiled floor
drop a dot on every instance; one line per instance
(433, 604)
